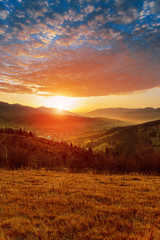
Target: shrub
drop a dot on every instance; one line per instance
(17, 157)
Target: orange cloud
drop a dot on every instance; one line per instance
(86, 72)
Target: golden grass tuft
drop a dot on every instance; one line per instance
(52, 205)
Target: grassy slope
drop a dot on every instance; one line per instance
(47, 205)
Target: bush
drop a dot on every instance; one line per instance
(12, 154)
(17, 157)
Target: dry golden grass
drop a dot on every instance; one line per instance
(45, 205)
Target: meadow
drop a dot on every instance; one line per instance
(40, 204)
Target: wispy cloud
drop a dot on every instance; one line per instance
(3, 14)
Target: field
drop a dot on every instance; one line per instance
(39, 204)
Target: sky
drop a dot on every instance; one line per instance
(101, 53)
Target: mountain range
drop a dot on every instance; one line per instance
(50, 121)
(135, 115)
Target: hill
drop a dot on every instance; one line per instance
(48, 121)
(128, 114)
(120, 150)
(123, 139)
(20, 149)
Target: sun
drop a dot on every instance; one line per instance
(61, 103)
(60, 107)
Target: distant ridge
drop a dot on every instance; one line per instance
(49, 120)
(6, 107)
(128, 114)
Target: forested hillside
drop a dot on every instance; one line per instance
(123, 139)
(19, 149)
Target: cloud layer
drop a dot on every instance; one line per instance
(79, 48)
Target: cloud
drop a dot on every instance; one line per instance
(84, 72)
(3, 14)
(79, 48)
(89, 9)
(13, 88)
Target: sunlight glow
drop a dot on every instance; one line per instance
(61, 103)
